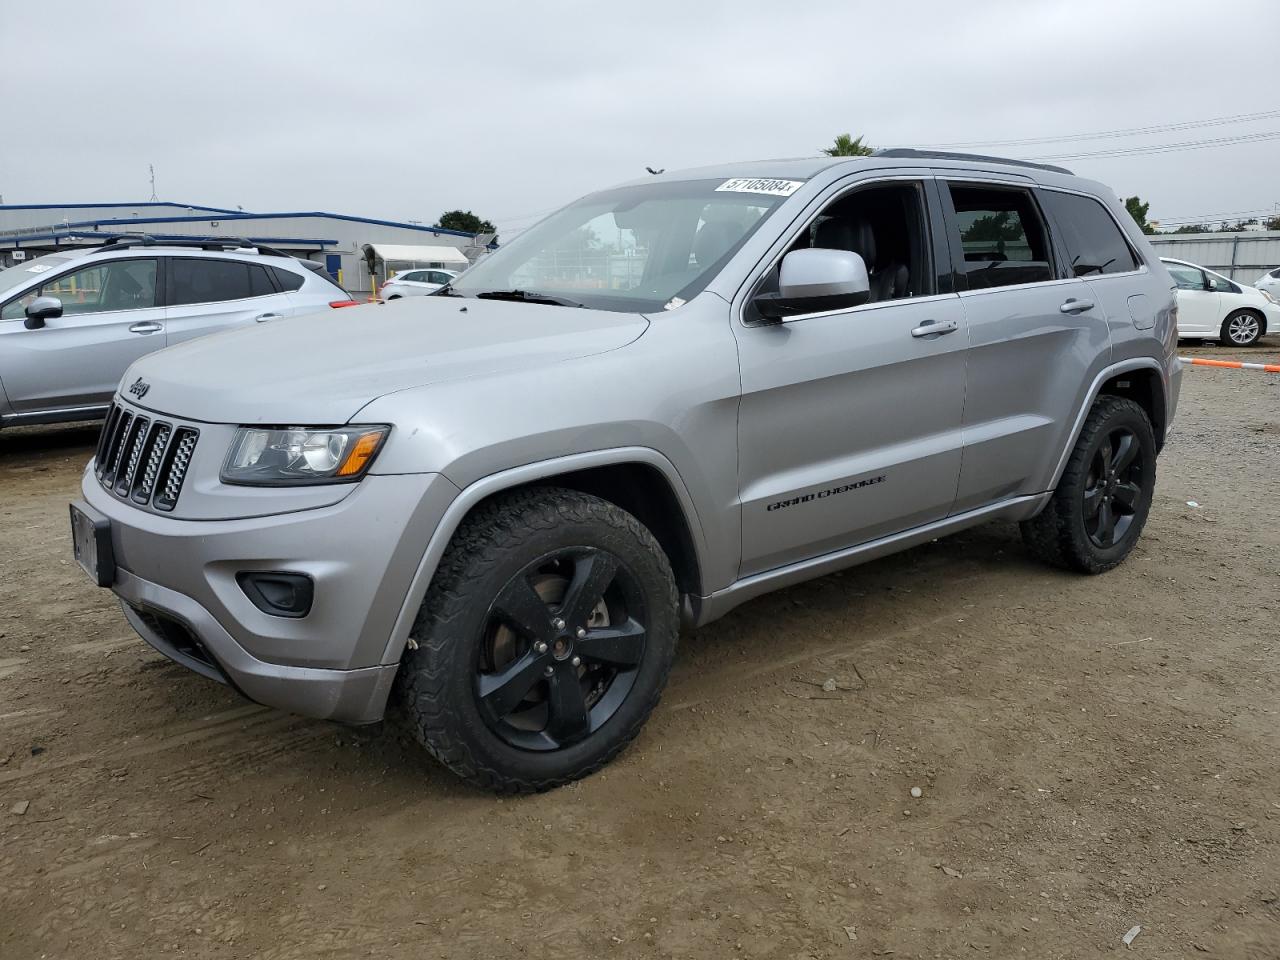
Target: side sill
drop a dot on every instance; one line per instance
(699, 611)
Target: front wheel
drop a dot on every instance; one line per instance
(1241, 329)
(1101, 503)
(544, 641)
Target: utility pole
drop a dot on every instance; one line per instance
(152, 168)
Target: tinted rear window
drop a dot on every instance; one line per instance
(287, 279)
(1095, 245)
(1002, 236)
(208, 281)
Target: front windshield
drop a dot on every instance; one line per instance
(632, 249)
(25, 270)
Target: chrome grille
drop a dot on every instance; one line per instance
(184, 444)
(145, 484)
(142, 460)
(137, 437)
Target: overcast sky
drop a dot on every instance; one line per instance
(405, 109)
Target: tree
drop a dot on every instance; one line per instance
(1193, 228)
(466, 221)
(847, 146)
(1237, 227)
(1138, 210)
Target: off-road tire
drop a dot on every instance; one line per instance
(1225, 338)
(1058, 535)
(435, 684)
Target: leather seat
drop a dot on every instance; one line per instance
(888, 281)
(712, 240)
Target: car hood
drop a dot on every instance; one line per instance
(321, 368)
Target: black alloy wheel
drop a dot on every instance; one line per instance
(1113, 487)
(544, 641)
(561, 648)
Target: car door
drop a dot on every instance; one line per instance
(110, 318)
(850, 421)
(207, 295)
(1199, 305)
(1035, 339)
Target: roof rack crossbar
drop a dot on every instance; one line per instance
(909, 153)
(215, 243)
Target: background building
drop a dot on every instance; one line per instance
(336, 240)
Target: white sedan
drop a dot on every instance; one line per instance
(1212, 307)
(416, 283)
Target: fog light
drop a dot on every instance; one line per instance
(279, 594)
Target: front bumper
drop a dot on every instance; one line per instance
(177, 581)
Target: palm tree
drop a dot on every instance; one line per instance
(847, 146)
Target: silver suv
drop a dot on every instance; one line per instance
(497, 505)
(72, 322)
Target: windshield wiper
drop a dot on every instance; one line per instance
(527, 296)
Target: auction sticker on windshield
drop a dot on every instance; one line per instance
(775, 188)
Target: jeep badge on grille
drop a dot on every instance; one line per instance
(139, 388)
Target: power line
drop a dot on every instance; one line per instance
(1216, 217)
(1110, 134)
(1163, 147)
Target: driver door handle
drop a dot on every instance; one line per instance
(147, 326)
(935, 328)
(266, 316)
(1076, 306)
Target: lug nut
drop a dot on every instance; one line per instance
(540, 647)
(558, 623)
(582, 633)
(576, 661)
(549, 672)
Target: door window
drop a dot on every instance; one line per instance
(1221, 284)
(213, 281)
(887, 226)
(1002, 236)
(1185, 277)
(102, 287)
(437, 277)
(1094, 242)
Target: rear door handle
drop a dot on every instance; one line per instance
(935, 328)
(1076, 306)
(266, 316)
(147, 326)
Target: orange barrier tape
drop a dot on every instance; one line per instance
(1232, 364)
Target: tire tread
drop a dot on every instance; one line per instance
(494, 529)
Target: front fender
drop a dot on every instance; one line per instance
(518, 476)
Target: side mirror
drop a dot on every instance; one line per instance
(814, 280)
(41, 309)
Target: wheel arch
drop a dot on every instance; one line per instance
(638, 479)
(1258, 312)
(1141, 380)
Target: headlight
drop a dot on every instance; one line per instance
(300, 455)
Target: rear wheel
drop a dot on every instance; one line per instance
(1241, 329)
(544, 642)
(1100, 505)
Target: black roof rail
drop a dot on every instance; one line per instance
(209, 243)
(907, 153)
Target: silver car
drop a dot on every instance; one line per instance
(71, 323)
(667, 398)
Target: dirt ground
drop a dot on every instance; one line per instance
(1094, 754)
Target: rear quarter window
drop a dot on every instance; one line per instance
(287, 279)
(1094, 242)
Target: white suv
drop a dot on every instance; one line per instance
(72, 322)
